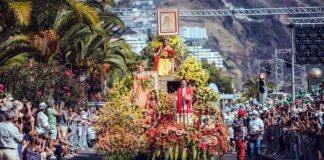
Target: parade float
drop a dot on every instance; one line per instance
(156, 130)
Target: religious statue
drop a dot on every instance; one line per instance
(144, 82)
(163, 59)
(184, 104)
(152, 106)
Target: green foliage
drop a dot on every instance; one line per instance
(197, 77)
(37, 83)
(251, 87)
(223, 82)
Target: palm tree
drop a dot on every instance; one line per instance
(36, 19)
(90, 50)
(250, 88)
(13, 51)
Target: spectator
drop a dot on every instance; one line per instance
(256, 128)
(239, 126)
(91, 135)
(52, 114)
(42, 120)
(10, 136)
(63, 119)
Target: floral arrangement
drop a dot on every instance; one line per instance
(123, 131)
(197, 77)
(205, 94)
(168, 138)
(192, 71)
(173, 141)
(213, 141)
(147, 82)
(209, 108)
(121, 87)
(38, 82)
(166, 102)
(119, 127)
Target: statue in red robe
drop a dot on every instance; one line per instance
(184, 104)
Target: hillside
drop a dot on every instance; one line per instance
(242, 40)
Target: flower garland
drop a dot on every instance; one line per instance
(147, 82)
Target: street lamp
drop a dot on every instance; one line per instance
(313, 74)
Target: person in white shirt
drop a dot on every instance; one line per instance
(256, 128)
(10, 136)
(42, 120)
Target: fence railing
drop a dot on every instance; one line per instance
(285, 144)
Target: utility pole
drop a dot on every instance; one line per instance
(276, 59)
(293, 63)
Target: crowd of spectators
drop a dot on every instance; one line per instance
(47, 131)
(290, 130)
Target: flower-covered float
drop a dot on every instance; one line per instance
(126, 131)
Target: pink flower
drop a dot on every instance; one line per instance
(1, 88)
(179, 133)
(183, 131)
(66, 88)
(173, 129)
(68, 73)
(39, 93)
(68, 94)
(164, 131)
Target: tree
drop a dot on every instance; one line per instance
(251, 87)
(13, 50)
(223, 82)
(36, 20)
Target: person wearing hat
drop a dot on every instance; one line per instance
(52, 114)
(10, 136)
(256, 128)
(9, 98)
(240, 128)
(42, 120)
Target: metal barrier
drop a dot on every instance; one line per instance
(79, 139)
(281, 144)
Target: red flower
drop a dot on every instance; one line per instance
(202, 145)
(39, 93)
(68, 73)
(1, 88)
(199, 135)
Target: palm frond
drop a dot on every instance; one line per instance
(117, 61)
(84, 11)
(16, 60)
(17, 50)
(14, 39)
(22, 10)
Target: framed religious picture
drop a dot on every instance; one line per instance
(168, 22)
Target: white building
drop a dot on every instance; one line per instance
(137, 41)
(208, 55)
(193, 33)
